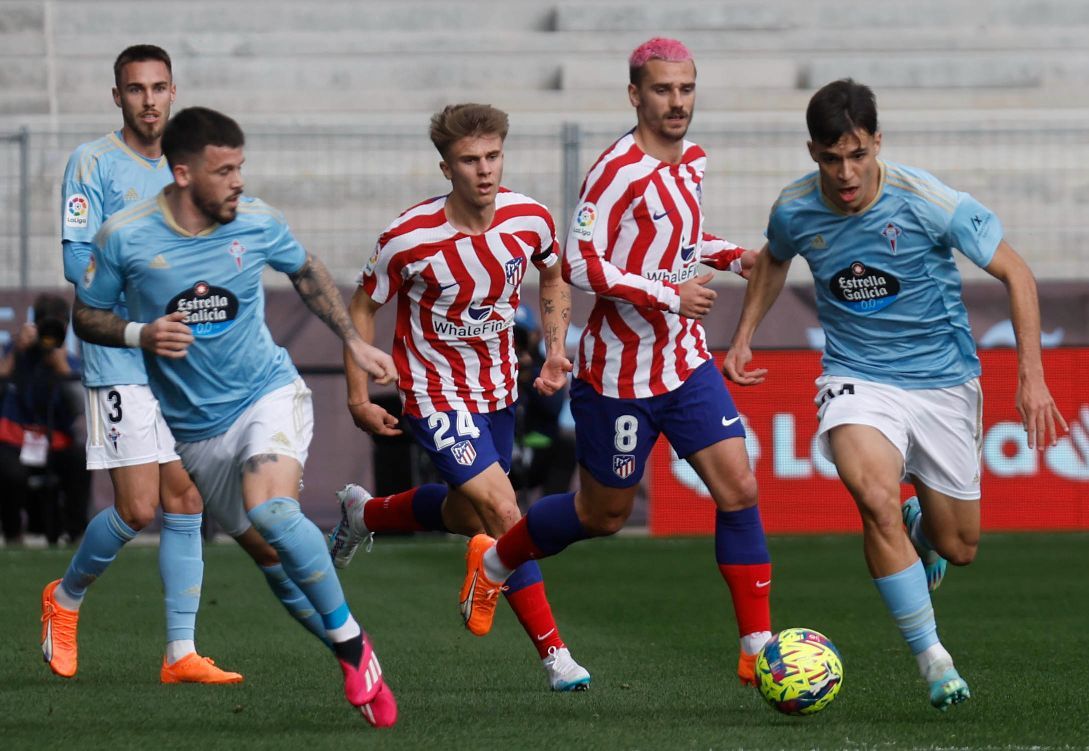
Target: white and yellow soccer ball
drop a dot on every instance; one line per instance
(799, 671)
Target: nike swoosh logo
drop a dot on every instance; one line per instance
(663, 215)
(47, 643)
(761, 585)
(727, 423)
(545, 635)
(444, 287)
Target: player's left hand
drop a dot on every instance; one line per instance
(1041, 418)
(374, 361)
(553, 375)
(748, 260)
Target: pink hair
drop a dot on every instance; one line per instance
(659, 48)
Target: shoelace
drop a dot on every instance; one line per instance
(560, 662)
(63, 626)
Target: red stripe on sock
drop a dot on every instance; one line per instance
(393, 513)
(516, 546)
(750, 586)
(531, 607)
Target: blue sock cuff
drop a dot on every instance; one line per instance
(117, 525)
(275, 517)
(336, 618)
(553, 523)
(739, 537)
(182, 522)
(427, 506)
(526, 575)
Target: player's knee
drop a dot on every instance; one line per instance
(137, 512)
(963, 552)
(187, 501)
(740, 494)
(882, 518)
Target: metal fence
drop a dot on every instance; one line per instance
(340, 188)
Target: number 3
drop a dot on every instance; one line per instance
(115, 402)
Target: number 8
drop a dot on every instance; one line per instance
(627, 436)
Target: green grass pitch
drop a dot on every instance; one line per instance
(650, 618)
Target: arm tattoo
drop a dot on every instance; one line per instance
(98, 326)
(548, 305)
(252, 464)
(318, 290)
(552, 337)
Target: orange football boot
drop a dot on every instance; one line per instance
(479, 594)
(58, 633)
(196, 669)
(746, 669)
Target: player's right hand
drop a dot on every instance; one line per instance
(696, 298)
(374, 419)
(734, 368)
(168, 336)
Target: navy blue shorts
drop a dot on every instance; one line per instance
(464, 444)
(613, 437)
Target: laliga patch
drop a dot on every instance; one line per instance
(89, 272)
(864, 289)
(77, 210)
(585, 219)
(209, 310)
(368, 268)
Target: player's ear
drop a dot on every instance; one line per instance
(181, 175)
(116, 96)
(633, 95)
(446, 171)
(173, 92)
(812, 150)
(877, 143)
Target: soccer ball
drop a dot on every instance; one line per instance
(799, 671)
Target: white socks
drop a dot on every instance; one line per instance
(933, 662)
(754, 642)
(494, 567)
(175, 650)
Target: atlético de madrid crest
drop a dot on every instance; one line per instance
(623, 465)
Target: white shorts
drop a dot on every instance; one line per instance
(125, 427)
(939, 432)
(280, 422)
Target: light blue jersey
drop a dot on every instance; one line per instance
(888, 290)
(215, 277)
(102, 178)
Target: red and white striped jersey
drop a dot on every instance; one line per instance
(636, 236)
(456, 297)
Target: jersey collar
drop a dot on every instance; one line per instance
(168, 217)
(143, 161)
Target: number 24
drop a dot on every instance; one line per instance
(440, 423)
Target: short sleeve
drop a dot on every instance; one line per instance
(285, 253)
(102, 284)
(974, 230)
(780, 243)
(81, 200)
(545, 256)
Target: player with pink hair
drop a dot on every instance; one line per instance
(658, 48)
(643, 365)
